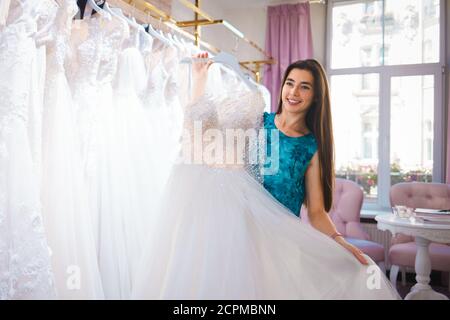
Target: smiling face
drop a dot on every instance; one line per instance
(298, 91)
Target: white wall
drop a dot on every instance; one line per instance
(250, 18)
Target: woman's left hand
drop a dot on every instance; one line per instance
(354, 250)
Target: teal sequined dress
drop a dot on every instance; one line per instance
(287, 185)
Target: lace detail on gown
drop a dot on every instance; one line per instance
(228, 128)
(66, 213)
(25, 271)
(4, 9)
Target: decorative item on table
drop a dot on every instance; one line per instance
(403, 212)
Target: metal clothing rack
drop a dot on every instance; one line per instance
(207, 20)
(146, 12)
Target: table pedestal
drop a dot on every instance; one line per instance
(422, 289)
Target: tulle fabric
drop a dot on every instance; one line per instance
(64, 197)
(128, 184)
(66, 212)
(25, 268)
(227, 238)
(220, 235)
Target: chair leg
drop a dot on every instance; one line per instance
(394, 274)
(403, 276)
(382, 267)
(449, 281)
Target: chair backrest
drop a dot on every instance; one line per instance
(346, 209)
(419, 195)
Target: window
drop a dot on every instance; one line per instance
(385, 76)
(355, 107)
(412, 113)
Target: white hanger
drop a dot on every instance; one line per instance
(133, 20)
(228, 60)
(99, 10)
(183, 42)
(117, 12)
(154, 33)
(167, 36)
(177, 40)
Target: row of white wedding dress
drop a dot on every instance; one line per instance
(92, 202)
(90, 115)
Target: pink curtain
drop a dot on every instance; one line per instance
(447, 171)
(288, 39)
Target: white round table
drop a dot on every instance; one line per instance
(424, 233)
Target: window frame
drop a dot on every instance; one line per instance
(386, 72)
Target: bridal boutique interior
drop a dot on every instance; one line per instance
(92, 97)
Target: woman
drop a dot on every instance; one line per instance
(305, 146)
(220, 235)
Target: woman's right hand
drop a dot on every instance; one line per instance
(200, 75)
(354, 250)
(200, 68)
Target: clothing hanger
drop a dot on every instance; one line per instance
(183, 42)
(118, 13)
(154, 33)
(171, 38)
(167, 36)
(133, 20)
(228, 60)
(177, 40)
(99, 10)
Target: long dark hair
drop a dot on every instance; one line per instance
(318, 121)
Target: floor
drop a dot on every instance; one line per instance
(436, 283)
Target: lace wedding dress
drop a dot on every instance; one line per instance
(25, 271)
(135, 175)
(66, 213)
(221, 235)
(113, 129)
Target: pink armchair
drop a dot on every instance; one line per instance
(345, 213)
(402, 252)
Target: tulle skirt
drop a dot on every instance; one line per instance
(25, 269)
(66, 212)
(220, 235)
(127, 187)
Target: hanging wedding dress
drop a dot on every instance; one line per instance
(82, 75)
(221, 235)
(25, 271)
(65, 207)
(173, 109)
(136, 182)
(116, 203)
(154, 103)
(45, 10)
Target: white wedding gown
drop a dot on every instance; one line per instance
(25, 270)
(117, 145)
(140, 185)
(66, 213)
(158, 106)
(221, 235)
